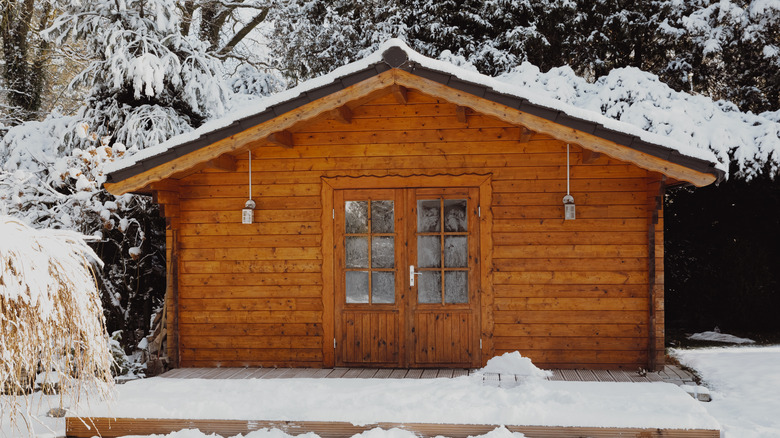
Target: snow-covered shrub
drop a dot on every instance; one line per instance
(49, 185)
(50, 311)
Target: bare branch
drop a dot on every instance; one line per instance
(241, 34)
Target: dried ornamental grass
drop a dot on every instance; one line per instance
(51, 317)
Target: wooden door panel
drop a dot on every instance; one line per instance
(369, 283)
(370, 338)
(443, 338)
(381, 320)
(443, 304)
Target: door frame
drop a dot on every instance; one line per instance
(483, 182)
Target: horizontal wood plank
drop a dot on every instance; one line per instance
(253, 291)
(288, 329)
(117, 427)
(570, 304)
(573, 282)
(507, 325)
(248, 304)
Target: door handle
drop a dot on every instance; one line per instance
(412, 274)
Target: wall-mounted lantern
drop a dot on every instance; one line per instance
(248, 213)
(569, 213)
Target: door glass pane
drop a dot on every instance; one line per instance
(356, 217)
(456, 288)
(455, 252)
(428, 215)
(382, 287)
(356, 249)
(382, 252)
(429, 288)
(429, 251)
(382, 217)
(357, 286)
(455, 215)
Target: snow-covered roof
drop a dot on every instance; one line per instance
(507, 90)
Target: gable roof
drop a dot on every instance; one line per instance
(396, 64)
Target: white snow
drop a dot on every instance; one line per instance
(499, 432)
(628, 100)
(33, 409)
(745, 386)
(716, 336)
(744, 383)
(135, 251)
(514, 363)
(463, 400)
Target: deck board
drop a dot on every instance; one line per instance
(445, 373)
(243, 373)
(352, 373)
(275, 373)
(337, 373)
(112, 428)
(259, 373)
(367, 373)
(620, 376)
(557, 375)
(413, 374)
(459, 372)
(670, 374)
(570, 375)
(603, 376)
(429, 374)
(383, 373)
(587, 376)
(321, 373)
(398, 374)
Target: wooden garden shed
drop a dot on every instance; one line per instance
(410, 214)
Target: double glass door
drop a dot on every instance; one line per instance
(406, 277)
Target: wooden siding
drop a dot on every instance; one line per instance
(568, 294)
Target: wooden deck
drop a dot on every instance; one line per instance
(118, 427)
(670, 374)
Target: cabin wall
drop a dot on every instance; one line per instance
(568, 294)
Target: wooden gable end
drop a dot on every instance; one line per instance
(567, 294)
(395, 82)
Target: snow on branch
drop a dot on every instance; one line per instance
(51, 318)
(749, 141)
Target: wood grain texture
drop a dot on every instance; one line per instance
(117, 427)
(545, 285)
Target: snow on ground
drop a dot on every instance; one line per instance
(364, 401)
(720, 337)
(514, 363)
(35, 415)
(499, 432)
(745, 386)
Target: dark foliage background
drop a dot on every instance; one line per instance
(723, 256)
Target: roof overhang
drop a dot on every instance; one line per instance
(395, 68)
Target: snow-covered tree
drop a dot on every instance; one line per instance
(313, 37)
(25, 56)
(731, 48)
(493, 35)
(149, 82)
